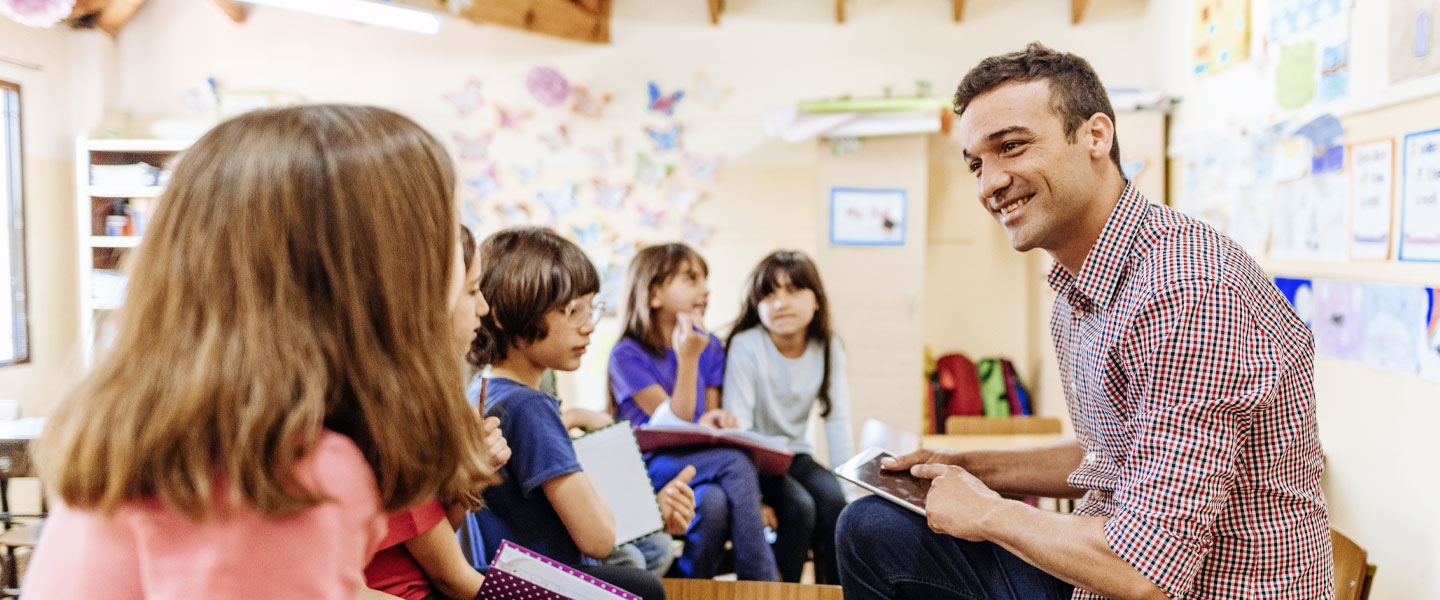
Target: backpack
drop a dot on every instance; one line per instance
(953, 389)
(1002, 393)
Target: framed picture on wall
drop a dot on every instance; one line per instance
(867, 216)
(14, 318)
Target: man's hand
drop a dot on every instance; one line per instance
(718, 418)
(499, 449)
(923, 456)
(677, 502)
(958, 502)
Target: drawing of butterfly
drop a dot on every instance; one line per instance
(1133, 168)
(710, 93)
(682, 199)
(485, 184)
(559, 201)
(470, 216)
(557, 141)
(695, 235)
(648, 217)
(588, 236)
(467, 100)
(603, 158)
(512, 119)
(527, 173)
(665, 140)
(704, 170)
(473, 148)
(588, 104)
(650, 172)
(625, 248)
(513, 213)
(664, 104)
(610, 196)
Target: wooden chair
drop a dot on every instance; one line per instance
(709, 589)
(1352, 574)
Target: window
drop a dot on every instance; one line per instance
(14, 322)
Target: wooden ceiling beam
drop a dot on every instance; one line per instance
(235, 10)
(569, 19)
(716, 7)
(1077, 10)
(839, 11)
(958, 8)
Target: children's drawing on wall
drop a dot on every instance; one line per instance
(1430, 351)
(556, 140)
(512, 118)
(587, 103)
(468, 99)
(1412, 49)
(484, 184)
(682, 199)
(703, 170)
(649, 172)
(561, 200)
(472, 147)
(867, 217)
(605, 156)
(1301, 295)
(610, 197)
(1420, 198)
(1338, 318)
(665, 140)
(647, 217)
(1395, 326)
(1222, 34)
(1309, 47)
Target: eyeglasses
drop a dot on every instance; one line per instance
(579, 314)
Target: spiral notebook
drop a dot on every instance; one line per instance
(518, 573)
(611, 458)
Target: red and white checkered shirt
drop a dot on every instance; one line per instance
(1190, 382)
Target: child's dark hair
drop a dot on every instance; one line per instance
(652, 268)
(467, 246)
(529, 271)
(803, 276)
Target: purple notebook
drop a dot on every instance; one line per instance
(519, 573)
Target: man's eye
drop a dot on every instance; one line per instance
(1011, 146)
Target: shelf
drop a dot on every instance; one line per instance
(137, 145)
(114, 241)
(1392, 271)
(105, 191)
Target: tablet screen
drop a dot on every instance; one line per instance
(901, 485)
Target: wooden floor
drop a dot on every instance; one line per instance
(707, 589)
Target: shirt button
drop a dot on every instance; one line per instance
(1091, 457)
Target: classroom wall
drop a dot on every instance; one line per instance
(1377, 427)
(47, 130)
(771, 53)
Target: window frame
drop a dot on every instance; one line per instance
(14, 199)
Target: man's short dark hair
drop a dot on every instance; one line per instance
(1076, 93)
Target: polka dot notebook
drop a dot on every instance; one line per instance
(518, 573)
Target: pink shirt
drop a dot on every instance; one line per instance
(145, 551)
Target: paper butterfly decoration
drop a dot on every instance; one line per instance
(467, 100)
(512, 119)
(527, 173)
(547, 86)
(664, 104)
(665, 140)
(473, 148)
(1133, 168)
(588, 236)
(557, 141)
(695, 235)
(485, 184)
(610, 196)
(649, 218)
(559, 201)
(649, 172)
(705, 169)
(603, 157)
(682, 199)
(587, 103)
(708, 92)
(513, 213)
(624, 248)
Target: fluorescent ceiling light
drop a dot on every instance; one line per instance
(363, 11)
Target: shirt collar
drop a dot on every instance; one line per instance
(1104, 266)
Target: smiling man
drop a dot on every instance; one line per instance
(1188, 378)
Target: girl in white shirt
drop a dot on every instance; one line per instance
(781, 361)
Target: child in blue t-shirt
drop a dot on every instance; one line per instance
(541, 290)
(667, 368)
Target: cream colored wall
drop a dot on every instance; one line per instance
(47, 132)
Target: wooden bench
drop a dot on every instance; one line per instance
(709, 589)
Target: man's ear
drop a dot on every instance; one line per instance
(1099, 135)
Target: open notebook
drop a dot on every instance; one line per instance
(769, 452)
(518, 573)
(611, 458)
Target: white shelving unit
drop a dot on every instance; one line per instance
(88, 198)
